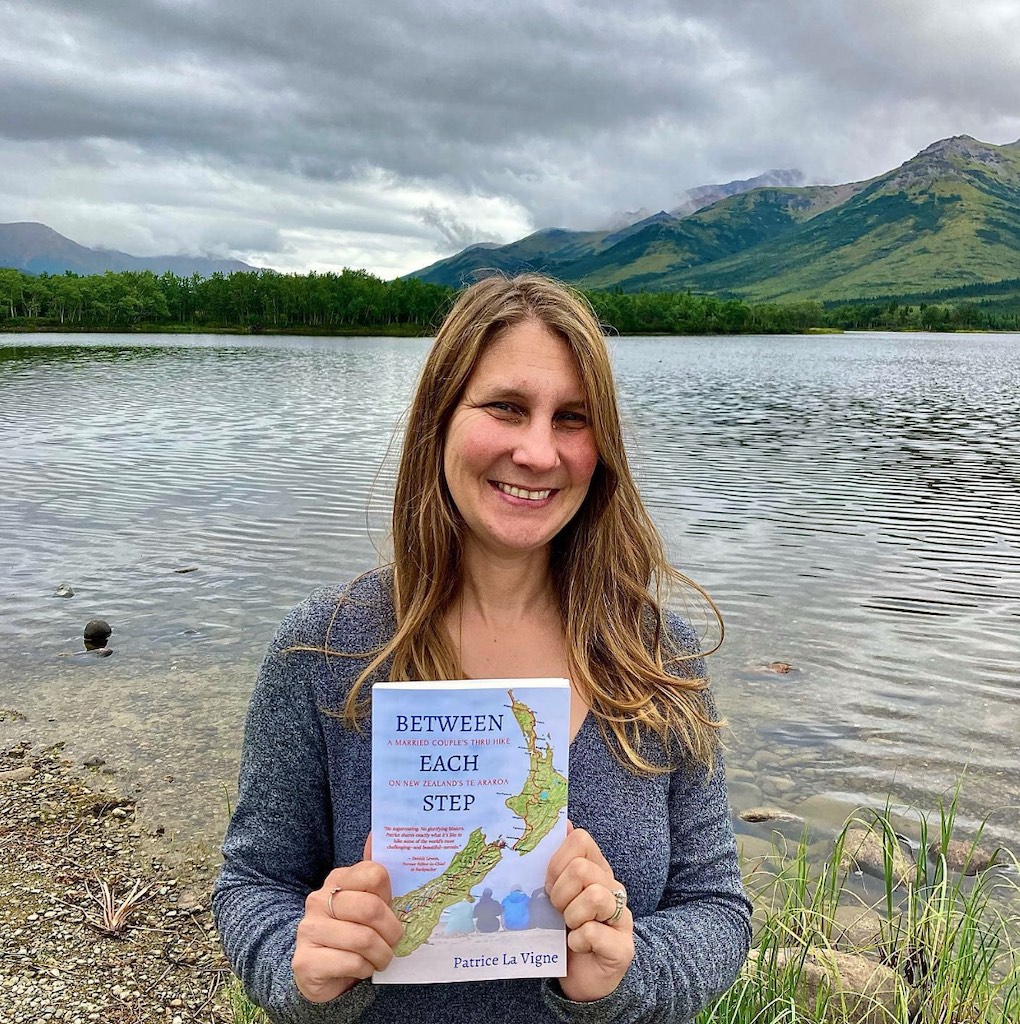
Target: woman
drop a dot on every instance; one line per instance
(521, 549)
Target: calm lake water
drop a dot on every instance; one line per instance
(852, 503)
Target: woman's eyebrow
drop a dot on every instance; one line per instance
(514, 394)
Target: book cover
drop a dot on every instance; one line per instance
(469, 802)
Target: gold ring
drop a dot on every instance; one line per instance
(329, 902)
(621, 901)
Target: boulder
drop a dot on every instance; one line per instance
(864, 850)
(855, 928)
(852, 988)
(967, 858)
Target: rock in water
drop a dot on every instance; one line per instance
(962, 856)
(755, 814)
(864, 850)
(97, 632)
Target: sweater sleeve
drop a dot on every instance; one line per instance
(690, 950)
(279, 844)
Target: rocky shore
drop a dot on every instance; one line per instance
(100, 921)
(104, 920)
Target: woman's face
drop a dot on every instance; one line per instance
(519, 451)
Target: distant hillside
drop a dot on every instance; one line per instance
(556, 250)
(948, 217)
(37, 249)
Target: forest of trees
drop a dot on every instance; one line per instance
(354, 301)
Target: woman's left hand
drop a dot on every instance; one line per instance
(581, 886)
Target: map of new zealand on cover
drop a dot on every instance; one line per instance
(469, 802)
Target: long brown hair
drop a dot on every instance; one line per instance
(608, 565)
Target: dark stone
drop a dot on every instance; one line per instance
(97, 632)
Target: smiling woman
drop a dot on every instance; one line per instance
(521, 550)
(519, 450)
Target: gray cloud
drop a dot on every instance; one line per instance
(395, 133)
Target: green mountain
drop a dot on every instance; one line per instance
(948, 217)
(557, 250)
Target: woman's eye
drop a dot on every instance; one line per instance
(508, 408)
(572, 419)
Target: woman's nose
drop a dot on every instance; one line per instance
(536, 448)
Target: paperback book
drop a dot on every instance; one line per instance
(469, 803)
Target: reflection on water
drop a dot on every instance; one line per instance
(852, 503)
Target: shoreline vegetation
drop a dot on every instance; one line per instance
(894, 922)
(354, 302)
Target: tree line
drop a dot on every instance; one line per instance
(355, 301)
(259, 300)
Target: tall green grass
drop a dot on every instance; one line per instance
(945, 949)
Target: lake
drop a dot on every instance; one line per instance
(852, 502)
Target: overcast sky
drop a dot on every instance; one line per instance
(385, 134)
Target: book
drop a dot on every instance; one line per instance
(469, 803)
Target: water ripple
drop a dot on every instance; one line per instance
(853, 503)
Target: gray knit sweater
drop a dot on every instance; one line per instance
(304, 808)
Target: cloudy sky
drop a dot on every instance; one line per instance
(385, 134)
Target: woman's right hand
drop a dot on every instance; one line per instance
(336, 950)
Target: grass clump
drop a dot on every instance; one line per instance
(858, 940)
(240, 1008)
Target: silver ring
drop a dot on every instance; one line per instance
(621, 901)
(329, 902)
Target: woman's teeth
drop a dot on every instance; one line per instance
(520, 492)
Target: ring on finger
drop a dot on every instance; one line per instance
(620, 895)
(329, 902)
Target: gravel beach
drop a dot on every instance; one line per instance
(67, 838)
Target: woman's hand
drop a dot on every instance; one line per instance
(347, 932)
(581, 886)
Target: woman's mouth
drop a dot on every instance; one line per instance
(522, 492)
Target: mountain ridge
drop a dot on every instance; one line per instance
(36, 248)
(948, 216)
